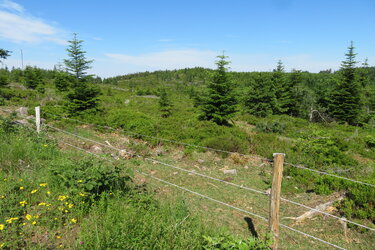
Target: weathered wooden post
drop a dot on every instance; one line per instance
(278, 163)
(37, 119)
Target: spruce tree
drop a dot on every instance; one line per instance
(77, 64)
(283, 91)
(4, 54)
(346, 101)
(165, 104)
(32, 77)
(220, 104)
(260, 100)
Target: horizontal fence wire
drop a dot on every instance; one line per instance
(218, 150)
(216, 179)
(219, 180)
(163, 139)
(325, 173)
(211, 199)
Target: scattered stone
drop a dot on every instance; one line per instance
(246, 167)
(96, 149)
(125, 154)
(268, 191)
(200, 161)
(159, 151)
(23, 111)
(230, 171)
(21, 122)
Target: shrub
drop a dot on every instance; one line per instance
(370, 141)
(226, 143)
(270, 127)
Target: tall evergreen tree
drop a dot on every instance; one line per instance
(220, 104)
(283, 91)
(33, 77)
(260, 100)
(77, 64)
(346, 98)
(165, 103)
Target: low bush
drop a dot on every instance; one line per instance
(270, 127)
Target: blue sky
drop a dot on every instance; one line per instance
(132, 36)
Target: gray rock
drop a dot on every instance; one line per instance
(200, 161)
(23, 111)
(230, 171)
(96, 149)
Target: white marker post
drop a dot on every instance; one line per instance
(37, 119)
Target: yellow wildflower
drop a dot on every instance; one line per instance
(43, 184)
(45, 145)
(36, 216)
(73, 220)
(82, 194)
(3, 197)
(66, 211)
(28, 217)
(2, 226)
(58, 237)
(10, 220)
(80, 181)
(62, 197)
(23, 203)
(34, 191)
(42, 204)
(20, 180)
(22, 188)
(48, 192)
(34, 223)
(70, 205)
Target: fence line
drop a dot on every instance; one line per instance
(216, 179)
(163, 139)
(218, 150)
(215, 200)
(325, 173)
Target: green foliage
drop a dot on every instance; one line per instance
(260, 100)
(224, 242)
(83, 98)
(33, 77)
(346, 98)
(4, 54)
(63, 81)
(325, 148)
(77, 63)
(229, 143)
(220, 103)
(270, 127)
(165, 104)
(4, 81)
(370, 141)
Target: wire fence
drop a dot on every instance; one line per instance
(213, 178)
(300, 166)
(214, 200)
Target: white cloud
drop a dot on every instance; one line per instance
(170, 59)
(6, 4)
(20, 27)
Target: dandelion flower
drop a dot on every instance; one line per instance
(62, 197)
(23, 203)
(73, 220)
(34, 223)
(58, 237)
(34, 191)
(43, 184)
(22, 188)
(70, 205)
(80, 181)
(82, 194)
(29, 217)
(48, 192)
(2, 226)
(3, 197)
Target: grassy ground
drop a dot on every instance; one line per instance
(250, 172)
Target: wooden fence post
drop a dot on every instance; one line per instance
(37, 119)
(278, 163)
